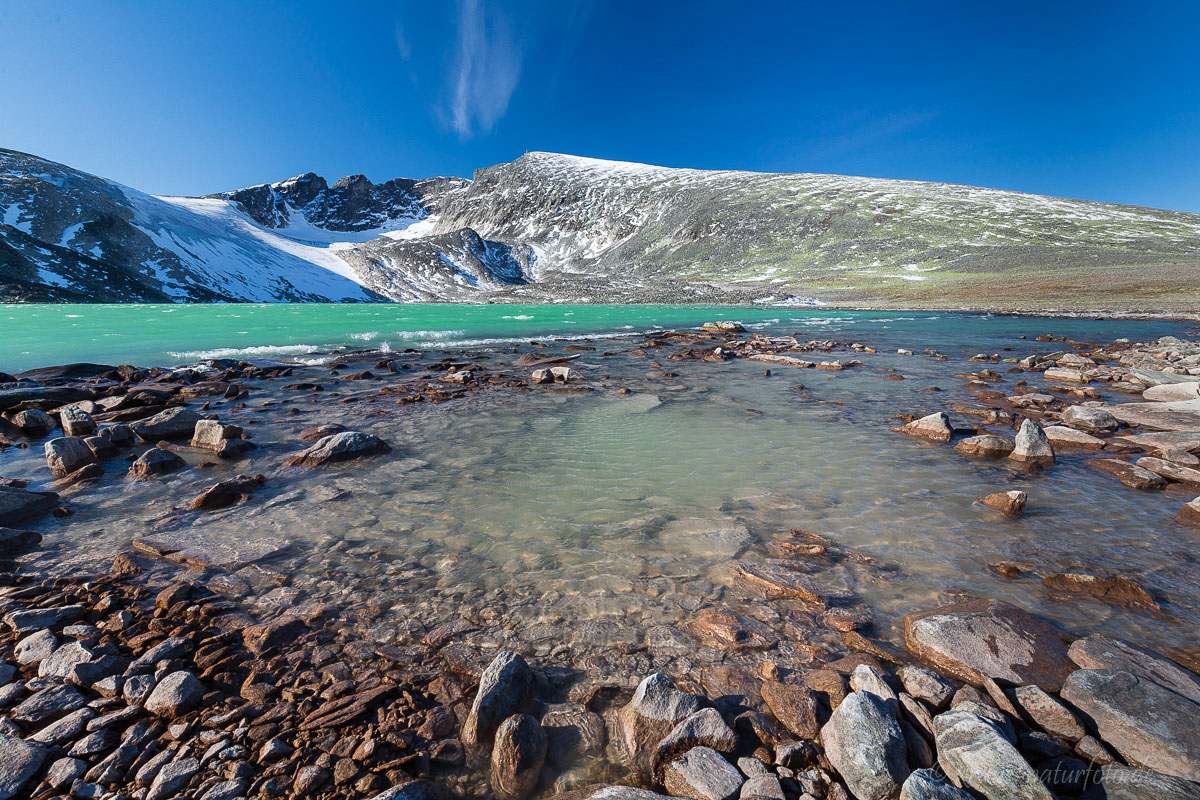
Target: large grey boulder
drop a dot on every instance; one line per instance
(975, 755)
(344, 446)
(1032, 444)
(928, 784)
(1105, 652)
(1087, 418)
(19, 761)
(704, 728)
(702, 774)
(1116, 782)
(503, 689)
(517, 757)
(1149, 726)
(175, 695)
(76, 422)
(17, 505)
(33, 422)
(657, 707)
(173, 423)
(865, 744)
(66, 454)
(980, 638)
(1173, 392)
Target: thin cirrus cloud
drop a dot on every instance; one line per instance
(486, 69)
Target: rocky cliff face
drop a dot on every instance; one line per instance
(550, 227)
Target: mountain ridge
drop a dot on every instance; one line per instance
(551, 227)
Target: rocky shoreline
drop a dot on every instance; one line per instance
(195, 668)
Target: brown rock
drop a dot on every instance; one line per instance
(267, 635)
(987, 445)
(1130, 475)
(517, 757)
(731, 630)
(228, 492)
(1116, 589)
(934, 427)
(795, 707)
(1011, 503)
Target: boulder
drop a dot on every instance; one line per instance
(434, 790)
(929, 784)
(925, 685)
(1090, 419)
(155, 462)
(1031, 444)
(33, 422)
(66, 454)
(19, 761)
(517, 757)
(974, 754)
(704, 728)
(1062, 436)
(228, 492)
(175, 695)
(980, 638)
(988, 445)
(795, 707)
(656, 707)
(1128, 474)
(173, 423)
(1175, 473)
(503, 689)
(1172, 392)
(865, 744)
(76, 422)
(1148, 725)
(1046, 712)
(1066, 374)
(1116, 782)
(339, 447)
(723, 326)
(209, 434)
(1011, 502)
(935, 427)
(1105, 652)
(541, 376)
(702, 774)
(1189, 514)
(14, 541)
(17, 504)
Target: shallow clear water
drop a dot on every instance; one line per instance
(571, 524)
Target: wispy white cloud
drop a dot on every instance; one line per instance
(486, 69)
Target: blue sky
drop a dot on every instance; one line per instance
(1099, 100)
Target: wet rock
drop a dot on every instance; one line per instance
(155, 462)
(76, 422)
(1125, 783)
(705, 538)
(175, 695)
(1128, 474)
(33, 422)
(1087, 418)
(702, 774)
(19, 504)
(925, 685)
(15, 541)
(704, 728)
(198, 549)
(173, 423)
(517, 757)
(1115, 589)
(1105, 652)
(1047, 713)
(1146, 724)
(1011, 502)
(731, 630)
(929, 784)
(209, 434)
(312, 434)
(1171, 471)
(273, 633)
(66, 454)
(975, 754)
(935, 427)
(656, 707)
(541, 376)
(503, 689)
(228, 492)
(795, 707)
(779, 579)
(865, 744)
(1031, 444)
(571, 736)
(984, 637)
(344, 446)
(988, 445)
(19, 761)
(723, 326)
(1189, 514)
(1061, 436)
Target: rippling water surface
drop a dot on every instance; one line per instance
(575, 522)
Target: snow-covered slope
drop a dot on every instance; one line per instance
(551, 227)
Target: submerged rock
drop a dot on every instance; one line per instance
(17, 504)
(344, 446)
(228, 492)
(1117, 589)
(1130, 475)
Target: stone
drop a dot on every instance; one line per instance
(273, 633)
(1090, 419)
(974, 754)
(702, 774)
(541, 376)
(155, 462)
(1105, 652)
(985, 637)
(778, 578)
(227, 492)
(1171, 471)
(66, 454)
(988, 445)
(928, 784)
(76, 422)
(1172, 392)
(1116, 782)
(704, 728)
(1148, 725)
(566, 375)
(344, 446)
(1010, 503)
(173, 423)
(60, 663)
(64, 729)
(731, 630)
(935, 427)
(571, 736)
(865, 744)
(1189, 514)
(173, 777)
(1047, 712)
(64, 772)
(19, 761)
(431, 790)
(208, 434)
(723, 326)
(17, 504)
(517, 757)
(1031, 444)
(705, 538)
(1115, 589)
(1066, 374)
(764, 786)
(203, 550)
(504, 688)
(52, 701)
(1132, 476)
(867, 679)
(33, 422)
(1062, 436)
(175, 695)
(925, 685)
(35, 618)
(656, 707)
(35, 647)
(794, 706)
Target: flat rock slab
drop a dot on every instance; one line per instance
(1160, 440)
(199, 549)
(1180, 416)
(778, 579)
(975, 754)
(1147, 725)
(1105, 652)
(14, 541)
(21, 504)
(1126, 783)
(705, 538)
(988, 638)
(18, 762)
